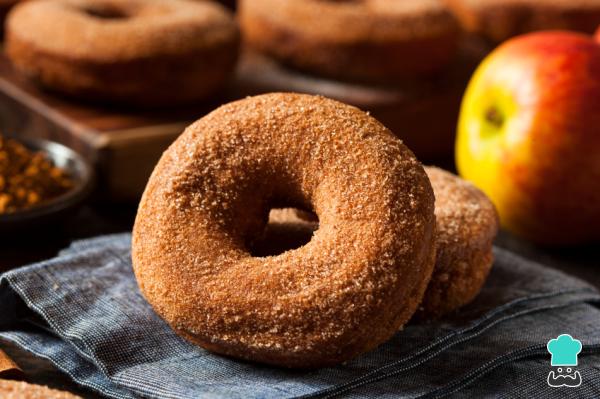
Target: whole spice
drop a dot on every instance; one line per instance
(28, 178)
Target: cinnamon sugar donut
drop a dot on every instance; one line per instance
(357, 281)
(139, 52)
(23, 390)
(364, 39)
(499, 20)
(466, 225)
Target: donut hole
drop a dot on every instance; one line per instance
(287, 229)
(105, 12)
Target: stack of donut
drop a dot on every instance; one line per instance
(393, 239)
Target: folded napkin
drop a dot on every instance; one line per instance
(83, 311)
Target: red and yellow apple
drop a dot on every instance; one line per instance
(529, 136)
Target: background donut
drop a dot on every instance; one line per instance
(138, 52)
(388, 39)
(498, 20)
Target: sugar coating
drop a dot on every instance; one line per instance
(357, 281)
(23, 390)
(467, 224)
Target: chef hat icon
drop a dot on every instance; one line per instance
(564, 350)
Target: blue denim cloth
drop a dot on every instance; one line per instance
(83, 311)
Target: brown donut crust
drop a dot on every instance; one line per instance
(353, 286)
(466, 225)
(23, 390)
(153, 53)
(499, 20)
(371, 40)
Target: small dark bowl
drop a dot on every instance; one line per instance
(57, 208)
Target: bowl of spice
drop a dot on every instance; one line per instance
(40, 181)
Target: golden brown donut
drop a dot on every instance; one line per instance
(357, 281)
(466, 225)
(499, 20)
(139, 52)
(23, 390)
(365, 39)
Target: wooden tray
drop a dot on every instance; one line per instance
(126, 144)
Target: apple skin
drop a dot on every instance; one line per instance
(529, 136)
(597, 34)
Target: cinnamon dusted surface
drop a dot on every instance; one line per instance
(367, 265)
(466, 226)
